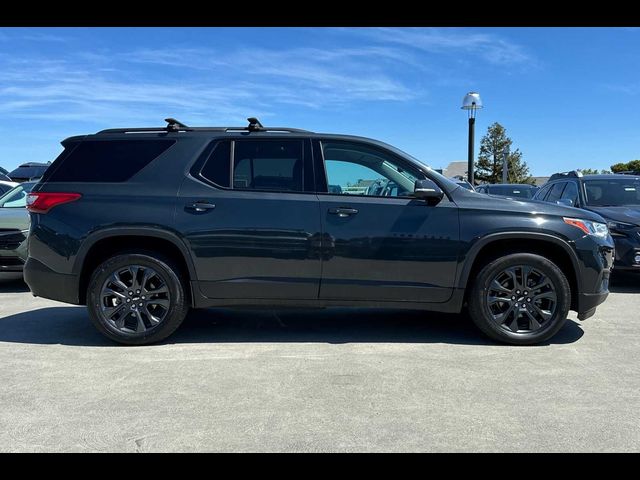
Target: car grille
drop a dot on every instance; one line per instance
(10, 238)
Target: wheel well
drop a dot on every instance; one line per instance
(549, 250)
(110, 246)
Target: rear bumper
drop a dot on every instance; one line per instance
(47, 283)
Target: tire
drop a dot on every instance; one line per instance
(118, 315)
(494, 307)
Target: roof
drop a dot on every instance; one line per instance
(34, 164)
(604, 176)
(518, 185)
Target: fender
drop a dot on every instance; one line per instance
(138, 231)
(470, 257)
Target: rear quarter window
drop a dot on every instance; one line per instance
(105, 160)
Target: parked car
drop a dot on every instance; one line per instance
(141, 224)
(3, 175)
(5, 186)
(463, 183)
(615, 197)
(28, 171)
(14, 226)
(510, 190)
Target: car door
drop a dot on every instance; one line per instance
(251, 218)
(379, 243)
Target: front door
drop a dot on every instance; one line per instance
(379, 243)
(252, 227)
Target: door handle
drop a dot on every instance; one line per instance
(343, 211)
(201, 206)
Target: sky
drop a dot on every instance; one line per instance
(567, 96)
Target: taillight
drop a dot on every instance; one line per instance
(42, 202)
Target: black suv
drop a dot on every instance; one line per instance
(615, 197)
(141, 224)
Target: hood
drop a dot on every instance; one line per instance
(14, 218)
(468, 199)
(630, 214)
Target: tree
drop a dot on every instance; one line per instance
(489, 165)
(633, 165)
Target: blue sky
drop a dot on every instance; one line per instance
(567, 96)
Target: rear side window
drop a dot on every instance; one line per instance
(268, 165)
(106, 160)
(217, 168)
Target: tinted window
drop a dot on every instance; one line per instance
(217, 168)
(106, 160)
(556, 192)
(28, 172)
(268, 165)
(360, 170)
(571, 193)
(543, 192)
(512, 191)
(613, 193)
(4, 188)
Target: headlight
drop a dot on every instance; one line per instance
(587, 226)
(620, 225)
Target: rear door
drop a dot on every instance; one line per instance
(251, 219)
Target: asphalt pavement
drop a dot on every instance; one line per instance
(324, 380)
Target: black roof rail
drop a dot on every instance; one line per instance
(628, 172)
(174, 125)
(571, 174)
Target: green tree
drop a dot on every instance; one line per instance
(593, 171)
(489, 164)
(623, 167)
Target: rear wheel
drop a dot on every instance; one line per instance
(136, 298)
(520, 299)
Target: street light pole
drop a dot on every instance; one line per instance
(471, 102)
(470, 166)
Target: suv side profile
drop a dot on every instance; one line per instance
(142, 224)
(615, 197)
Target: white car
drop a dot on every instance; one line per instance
(6, 186)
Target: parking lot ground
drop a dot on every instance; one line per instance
(326, 380)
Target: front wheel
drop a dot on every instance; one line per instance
(521, 299)
(136, 298)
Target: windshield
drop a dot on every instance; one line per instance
(28, 172)
(523, 191)
(17, 197)
(615, 192)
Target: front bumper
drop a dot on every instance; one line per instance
(597, 255)
(627, 249)
(11, 264)
(47, 283)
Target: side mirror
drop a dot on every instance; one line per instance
(428, 190)
(565, 201)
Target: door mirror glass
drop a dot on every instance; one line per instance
(428, 190)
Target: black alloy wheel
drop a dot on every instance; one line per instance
(520, 298)
(137, 298)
